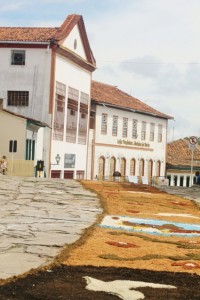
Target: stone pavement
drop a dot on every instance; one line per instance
(191, 193)
(38, 217)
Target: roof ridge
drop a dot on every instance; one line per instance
(28, 27)
(123, 99)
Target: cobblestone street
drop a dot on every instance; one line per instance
(191, 193)
(38, 217)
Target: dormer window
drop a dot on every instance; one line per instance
(18, 57)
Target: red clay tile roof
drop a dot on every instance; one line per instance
(67, 26)
(39, 34)
(47, 34)
(27, 34)
(111, 95)
(179, 153)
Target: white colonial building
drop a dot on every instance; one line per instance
(126, 136)
(46, 75)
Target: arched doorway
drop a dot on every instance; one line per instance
(141, 169)
(101, 171)
(158, 165)
(132, 167)
(150, 170)
(123, 166)
(112, 165)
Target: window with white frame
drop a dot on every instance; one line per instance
(134, 129)
(104, 123)
(160, 128)
(17, 98)
(72, 115)
(152, 131)
(125, 128)
(18, 57)
(115, 126)
(143, 132)
(59, 112)
(83, 120)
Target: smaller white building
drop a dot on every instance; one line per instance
(183, 162)
(126, 136)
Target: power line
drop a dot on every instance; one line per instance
(150, 63)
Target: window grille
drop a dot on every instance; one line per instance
(115, 126)
(83, 119)
(125, 128)
(104, 121)
(72, 115)
(18, 98)
(143, 133)
(134, 129)
(152, 130)
(60, 97)
(159, 133)
(18, 57)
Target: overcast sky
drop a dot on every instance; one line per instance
(148, 48)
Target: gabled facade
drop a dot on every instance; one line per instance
(46, 75)
(126, 136)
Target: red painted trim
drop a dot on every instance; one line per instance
(17, 45)
(80, 62)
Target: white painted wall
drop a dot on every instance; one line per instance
(34, 77)
(73, 39)
(76, 77)
(109, 139)
(109, 146)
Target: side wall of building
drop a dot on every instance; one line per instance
(12, 128)
(33, 77)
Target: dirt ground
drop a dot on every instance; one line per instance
(109, 254)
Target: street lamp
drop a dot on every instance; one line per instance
(57, 158)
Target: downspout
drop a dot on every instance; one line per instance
(93, 148)
(166, 149)
(51, 98)
(88, 134)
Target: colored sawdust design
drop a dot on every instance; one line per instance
(188, 256)
(179, 203)
(191, 244)
(176, 215)
(163, 232)
(123, 289)
(122, 244)
(135, 203)
(150, 226)
(186, 265)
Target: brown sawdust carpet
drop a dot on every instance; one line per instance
(108, 254)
